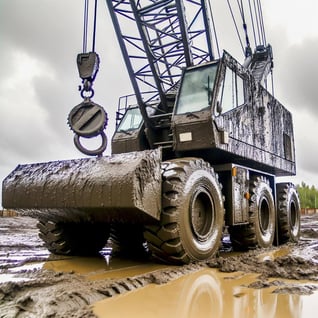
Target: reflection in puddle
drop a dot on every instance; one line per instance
(207, 293)
(106, 252)
(96, 269)
(272, 255)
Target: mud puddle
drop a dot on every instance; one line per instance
(249, 284)
(209, 293)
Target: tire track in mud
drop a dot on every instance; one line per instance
(45, 293)
(50, 294)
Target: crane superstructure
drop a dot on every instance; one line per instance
(198, 151)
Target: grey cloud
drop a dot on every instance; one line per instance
(299, 75)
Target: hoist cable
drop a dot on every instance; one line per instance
(261, 21)
(257, 23)
(247, 40)
(94, 30)
(214, 29)
(252, 20)
(85, 26)
(235, 24)
(240, 6)
(85, 23)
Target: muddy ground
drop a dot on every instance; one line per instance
(30, 288)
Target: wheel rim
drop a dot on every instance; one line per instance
(264, 215)
(293, 215)
(202, 215)
(294, 219)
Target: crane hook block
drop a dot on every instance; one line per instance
(88, 65)
(87, 119)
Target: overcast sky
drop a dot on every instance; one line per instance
(38, 75)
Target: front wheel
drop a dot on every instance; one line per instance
(73, 238)
(191, 224)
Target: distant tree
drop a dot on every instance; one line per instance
(308, 196)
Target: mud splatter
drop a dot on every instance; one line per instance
(36, 292)
(290, 266)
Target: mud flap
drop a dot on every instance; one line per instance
(123, 187)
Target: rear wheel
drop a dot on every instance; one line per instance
(71, 238)
(192, 218)
(288, 209)
(261, 229)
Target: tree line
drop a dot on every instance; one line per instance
(308, 196)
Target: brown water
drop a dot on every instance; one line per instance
(96, 269)
(34, 283)
(208, 293)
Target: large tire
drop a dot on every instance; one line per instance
(70, 238)
(260, 231)
(288, 210)
(192, 218)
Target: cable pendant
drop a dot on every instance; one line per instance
(85, 26)
(252, 19)
(94, 29)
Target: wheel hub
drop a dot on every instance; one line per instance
(264, 216)
(202, 214)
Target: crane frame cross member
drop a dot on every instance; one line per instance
(158, 38)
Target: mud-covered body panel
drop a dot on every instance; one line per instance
(260, 134)
(123, 187)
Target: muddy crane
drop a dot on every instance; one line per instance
(198, 151)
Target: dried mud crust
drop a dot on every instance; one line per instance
(60, 294)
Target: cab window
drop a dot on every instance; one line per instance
(231, 93)
(196, 89)
(131, 120)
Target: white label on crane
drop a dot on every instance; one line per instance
(187, 136)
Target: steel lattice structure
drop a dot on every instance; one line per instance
(157, 39)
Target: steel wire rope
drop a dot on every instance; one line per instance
(236, 27)
(252, 21)
(94, 28)
(257, 23)
(248, 51)
(85, 25)
(214, 29)
(260, 12)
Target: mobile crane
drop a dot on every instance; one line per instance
(199, 151)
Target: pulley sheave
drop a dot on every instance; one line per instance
(87, 119)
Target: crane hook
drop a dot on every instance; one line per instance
(88, 119)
